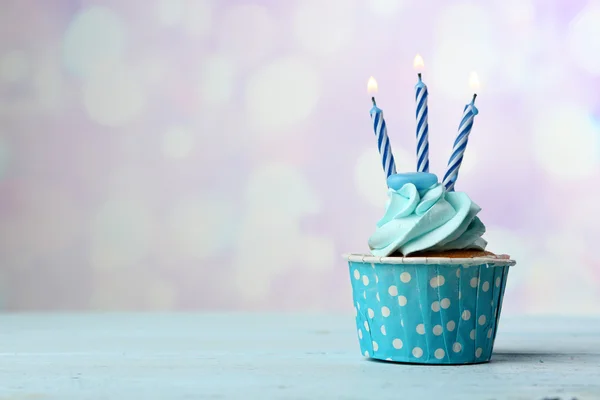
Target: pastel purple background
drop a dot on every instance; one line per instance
(194, 154)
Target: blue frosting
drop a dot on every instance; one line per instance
(422, 180)
(426, 218)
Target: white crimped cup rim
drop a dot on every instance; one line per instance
(471, 261)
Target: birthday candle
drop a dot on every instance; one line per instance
(383, 142)
(421, 95)
(460, 144)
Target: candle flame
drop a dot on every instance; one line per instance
(474, 81)
(418, 64)
(372, 86)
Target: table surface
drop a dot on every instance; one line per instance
(286, 356)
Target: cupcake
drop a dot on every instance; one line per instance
(429, 292)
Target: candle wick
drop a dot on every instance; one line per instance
(373, 100)
(419, 75)
(474, 97)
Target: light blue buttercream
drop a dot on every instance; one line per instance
(429, 219)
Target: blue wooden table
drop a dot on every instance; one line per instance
(287, 356)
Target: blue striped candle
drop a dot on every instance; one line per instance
(460, 144)
(422, 127)
(383, 143)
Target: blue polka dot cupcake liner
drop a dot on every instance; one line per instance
(427, 310)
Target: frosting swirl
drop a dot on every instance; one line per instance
(427, 219)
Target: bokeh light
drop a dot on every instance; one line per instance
(325, 27)
(143, 145)
(583, 43)
(386, 8)
(573, 151)
(464, 43)
(122, 232)
(216, 80)
(4, 157)
(202, 227)
(15, 66)
(96, 39)
(247, 34)
(281, 94)
(178, 142)
(114, 96)
(369, 177)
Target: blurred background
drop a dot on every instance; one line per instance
(205, 154)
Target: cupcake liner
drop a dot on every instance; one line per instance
(427, 311)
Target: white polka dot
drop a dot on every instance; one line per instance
(437, 330)
(489, 335)
(421, 329)
(360, 335)
(474, 282)
(294, 83)
(478, 352)
(373, 266)
(365, 280)
(458, 272)
(437, 281)
(375, 346)
(397, 343)
(402, 323)
(364, 295)
(405, 277)
(459, 295)
(366, 353)
(377, 296)
(482, 319)
(486, 286)
(376, 279)
(393, 290)
(358, 305)
(472, 334)
(366, 326)
(435, 306)
(445, 303)
(402, 301)
(466, 315)
(456, 347)
(356, 274)
(498, 282)
(383, 332)
(439, 354)
(371, 313)
(388, 359)
(417, 352)
(451, 325)
(385, 311)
